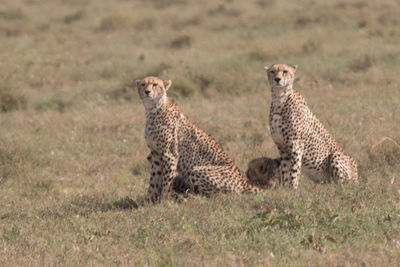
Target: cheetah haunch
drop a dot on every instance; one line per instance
(179, 149)
(303, 142)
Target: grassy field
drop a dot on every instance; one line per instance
(72, 148)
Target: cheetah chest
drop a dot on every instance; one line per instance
(151, 143)
(276, 129)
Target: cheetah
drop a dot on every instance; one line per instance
(264, 172)
(180, 150)
(303, 142)
(179, 186)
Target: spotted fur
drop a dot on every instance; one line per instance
(180, 185)
(180, 151)
(303, 142)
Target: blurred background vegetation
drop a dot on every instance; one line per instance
(72, 148)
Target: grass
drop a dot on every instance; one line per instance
(72, 149)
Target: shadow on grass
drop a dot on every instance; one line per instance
(80, 205)
(87, 205)
(84, 205)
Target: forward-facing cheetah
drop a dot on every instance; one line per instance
(303, 142)
(264, 172)
(180, 149)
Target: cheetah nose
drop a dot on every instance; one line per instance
(147, 92)
(277, 79)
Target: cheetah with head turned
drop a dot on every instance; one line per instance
(180, 150)
(264, 172)
(303, 142)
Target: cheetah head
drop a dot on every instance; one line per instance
(152, 90)
(264, 172)
(281, 75)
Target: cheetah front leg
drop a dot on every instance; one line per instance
(154, 190)
(180, 185)
(170, 173)
(291, 165)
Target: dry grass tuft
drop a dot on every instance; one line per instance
(181, 42)
(10, 100)
(74, 17)
(111, 23)
(362, 64)
(13, 160)
(386, 152)
(12, 14)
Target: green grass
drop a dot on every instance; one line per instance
(72, 149)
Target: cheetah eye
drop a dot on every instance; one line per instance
(272, 72)
(154, 85)
(143, 84)
(285, 72)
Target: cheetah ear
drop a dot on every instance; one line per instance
(294, 68)
(138, 83)
(266, 68)
(167, 84)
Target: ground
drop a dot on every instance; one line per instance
(72, 148)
